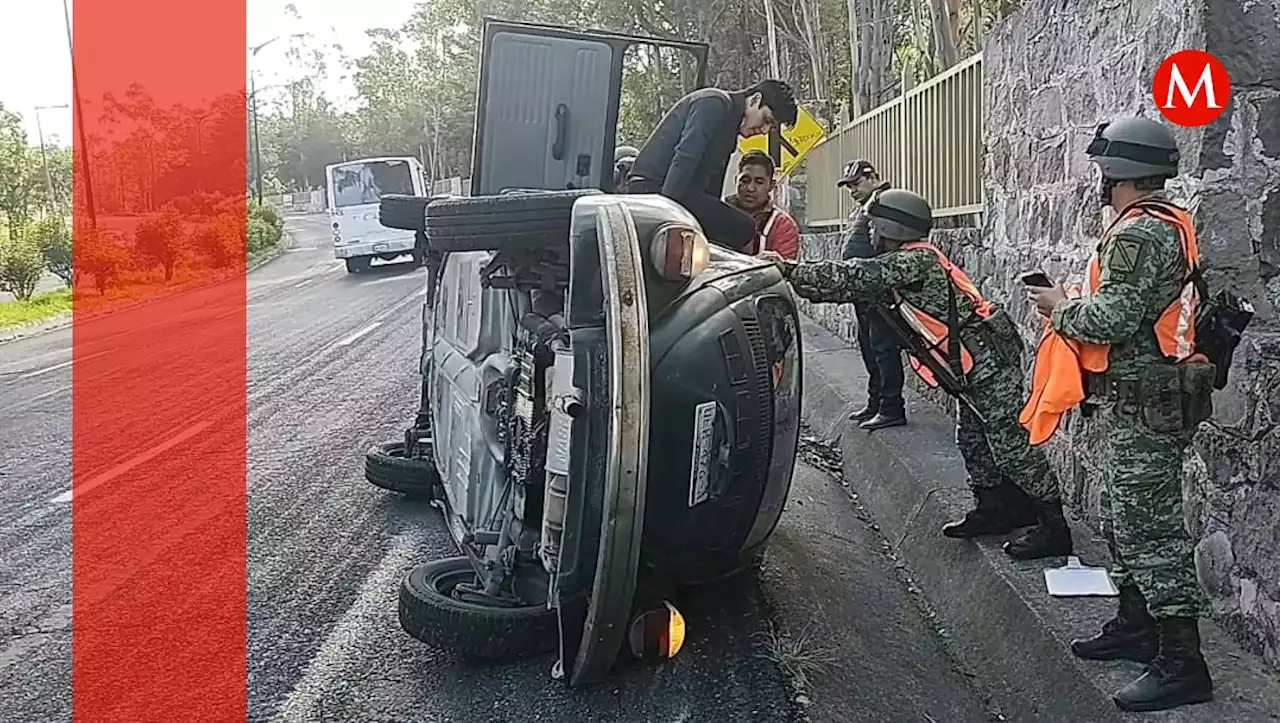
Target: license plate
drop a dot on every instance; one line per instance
(379, 248)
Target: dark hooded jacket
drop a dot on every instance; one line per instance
(689, 151)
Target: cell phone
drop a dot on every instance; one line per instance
(1037, 279)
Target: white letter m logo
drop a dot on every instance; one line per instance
(1189, 95)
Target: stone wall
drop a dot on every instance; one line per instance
(1052, 72)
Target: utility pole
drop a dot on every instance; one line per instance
(84, 141)
(253, 108)
(44, 155)
(257, 149)
(772, 35)
(782, 194)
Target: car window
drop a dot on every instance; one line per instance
(364, 183)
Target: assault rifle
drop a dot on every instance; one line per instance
(950, 378)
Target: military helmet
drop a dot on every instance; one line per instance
(623, 152)
(1131, 148)
(900, 215)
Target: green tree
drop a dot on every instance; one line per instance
(17, 172)
(20, 267)
(160, 240)
(264, 228)
(218, 240)
(102, 255)
(52, 235)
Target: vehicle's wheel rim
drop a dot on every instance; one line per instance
(461, 585)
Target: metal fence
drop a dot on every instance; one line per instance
(455, 186)
(928, 140)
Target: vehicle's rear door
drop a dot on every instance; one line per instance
(595, 585)
(547, 109)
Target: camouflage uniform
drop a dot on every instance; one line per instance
(1142, 269)
(995, 384)
(1149, 400)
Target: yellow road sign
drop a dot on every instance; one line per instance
(794, 143)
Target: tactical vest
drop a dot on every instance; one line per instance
(934, 331)
(1176, 328)
(1066, 370)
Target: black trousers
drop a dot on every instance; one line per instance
(882, 355)
(723, 224)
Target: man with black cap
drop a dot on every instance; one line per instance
(624, 157)
(881, 352)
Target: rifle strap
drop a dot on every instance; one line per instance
(953, 333)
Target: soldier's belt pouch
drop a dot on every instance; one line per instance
(1197, 381)
(1160, 397)
(1001, 337)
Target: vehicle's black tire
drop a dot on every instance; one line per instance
(429, 613)
(510, 222)
(407, 213)
(386, 466)
(358, 264)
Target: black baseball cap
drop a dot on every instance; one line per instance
(855, 171)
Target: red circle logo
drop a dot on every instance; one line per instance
(1191, 88)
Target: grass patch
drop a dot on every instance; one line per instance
(38, 308)
(801, 656)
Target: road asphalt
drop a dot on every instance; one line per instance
(332, 363)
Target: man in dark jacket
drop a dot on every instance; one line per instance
(881, 351)
(687, 156)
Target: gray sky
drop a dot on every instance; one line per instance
(37, 69)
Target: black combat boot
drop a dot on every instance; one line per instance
(1050, 538)
(1131, 635)
(869, 410)
(1019, 509)
(1176, 677)
(988, 517)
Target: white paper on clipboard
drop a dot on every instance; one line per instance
(1076, 580)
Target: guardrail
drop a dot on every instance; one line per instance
(928, 140)
(304, 202)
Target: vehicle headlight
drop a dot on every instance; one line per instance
(678, 253)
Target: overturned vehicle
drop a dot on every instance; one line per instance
(610, 404)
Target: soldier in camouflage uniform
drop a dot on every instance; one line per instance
(1140, 276)
(923, 281)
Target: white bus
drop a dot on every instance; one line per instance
(354, 189)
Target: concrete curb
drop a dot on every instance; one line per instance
(61, 321)
(1000, 620)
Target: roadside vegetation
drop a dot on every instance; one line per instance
(35, 309)
(140, 247)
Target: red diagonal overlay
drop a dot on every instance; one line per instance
(158, 489)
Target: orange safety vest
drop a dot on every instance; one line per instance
(1057, 378)
(935, 332)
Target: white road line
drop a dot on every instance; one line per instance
(46, 395)
(342, 656)
(303, 283)
(351, 338)
(62, 365)
(123, 467)
(46, 370)
(391, 280)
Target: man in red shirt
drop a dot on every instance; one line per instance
(775, 227)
